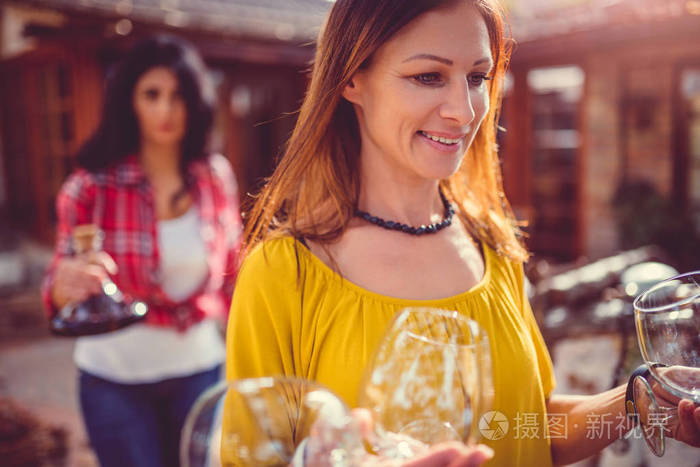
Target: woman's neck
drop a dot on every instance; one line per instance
(398, 198)
(158, 160)
(161, 166)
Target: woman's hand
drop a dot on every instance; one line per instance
(75, 279)
(689, 423)
(684, 428)
(320, 449)
(450, 454)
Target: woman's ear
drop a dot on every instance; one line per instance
(352, 91)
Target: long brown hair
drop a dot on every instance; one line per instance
(313, 191)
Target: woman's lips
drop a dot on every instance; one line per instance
(454, 145)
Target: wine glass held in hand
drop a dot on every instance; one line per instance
(430, 377)
(667, 318)
(266, 420)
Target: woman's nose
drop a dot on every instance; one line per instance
(165, 106)
(458, 104)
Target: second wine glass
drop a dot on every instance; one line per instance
(263, 422)
(430, 377)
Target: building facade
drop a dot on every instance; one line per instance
(55, 54)
(602, 94)
(604, 97)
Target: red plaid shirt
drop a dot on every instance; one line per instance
(119, 199)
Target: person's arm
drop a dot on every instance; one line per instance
(73, 279)
(587, 415)
(260, 337)
(263, 323)
(593, 422)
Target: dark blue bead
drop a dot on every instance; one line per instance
(412, 230)
(373, 220)
(430, 229)
(390, 224)
(406, 228)
(420, 230)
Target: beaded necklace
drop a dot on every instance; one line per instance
(399, 227)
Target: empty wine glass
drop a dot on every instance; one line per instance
(667, 317)
(430, 377)
(265, 420)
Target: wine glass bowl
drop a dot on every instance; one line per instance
(430, 377)
(262, 422)
(667, 317)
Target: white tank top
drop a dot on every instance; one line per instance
(142, 353)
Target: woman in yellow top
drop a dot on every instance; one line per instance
(397, 133)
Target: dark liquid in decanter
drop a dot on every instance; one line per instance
(100, 313)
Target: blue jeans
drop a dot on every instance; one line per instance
(139, 424)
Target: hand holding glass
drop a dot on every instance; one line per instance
(667, 317)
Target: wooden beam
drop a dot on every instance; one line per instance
(562, 47)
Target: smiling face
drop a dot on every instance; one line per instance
(160, 108)
(422, 98)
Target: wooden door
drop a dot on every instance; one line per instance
(50, 103)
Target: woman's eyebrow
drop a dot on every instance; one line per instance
(445, 61)
(484, 60)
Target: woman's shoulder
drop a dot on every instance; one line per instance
(78, 184)
(505, 271)
(216, 170)
(215, 165)
(277, 257)
(125, 172)
(219, 164)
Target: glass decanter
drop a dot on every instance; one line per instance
(104, 312)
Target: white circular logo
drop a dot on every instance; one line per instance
(493, 425)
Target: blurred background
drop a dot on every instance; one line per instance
(600, 150)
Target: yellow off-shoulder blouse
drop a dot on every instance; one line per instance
(324, 328)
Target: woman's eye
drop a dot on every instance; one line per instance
(430, 79)
(151, 93)
(477, 79)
